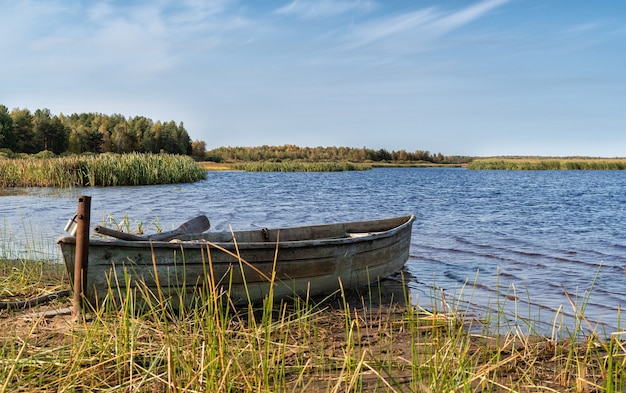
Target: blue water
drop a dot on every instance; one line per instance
(516, 241)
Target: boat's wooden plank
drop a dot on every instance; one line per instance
(311, 260)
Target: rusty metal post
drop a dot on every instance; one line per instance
(81, 259)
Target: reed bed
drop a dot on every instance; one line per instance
(311, 166)
(345, 343)
(299, 166)
(548, 164)
(100, 170)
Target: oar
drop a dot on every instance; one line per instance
(118, 234)
(195, 225)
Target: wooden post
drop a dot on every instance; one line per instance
(81, 259)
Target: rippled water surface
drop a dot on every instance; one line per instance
(517, 241)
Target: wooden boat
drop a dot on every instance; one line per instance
(297, 261)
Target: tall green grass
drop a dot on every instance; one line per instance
(99, 170)
(299, 166)
(339, 344)
(548, 164)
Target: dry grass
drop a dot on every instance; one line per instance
(215, 166)
(340, 344)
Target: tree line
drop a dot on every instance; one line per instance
(23, 131)
(292, 152)
(26, 132)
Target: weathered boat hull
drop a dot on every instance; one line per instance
(299, 261)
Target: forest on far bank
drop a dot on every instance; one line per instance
(26, 132)
(332, 153)
(23, 133)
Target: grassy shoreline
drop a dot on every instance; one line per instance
(495, 163)
(299, 166)
(109, 169)
(314, 166)
(348, 342)
(548, 163)
(148, 169)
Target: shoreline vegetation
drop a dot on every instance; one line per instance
(350, 342)
(289, 158)
(315, 166)
(299, 166)
(548, 163)
(132, 169)
(522, 163)
(46, 169)
(25, 134)
(107, 169)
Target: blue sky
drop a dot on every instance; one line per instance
(479, 78)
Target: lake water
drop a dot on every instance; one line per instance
(516, 241)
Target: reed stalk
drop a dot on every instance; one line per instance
(548, 164)
(147, 343)
(299, 166)
(100, 170)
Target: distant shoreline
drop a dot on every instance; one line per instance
(478, 163)
(231, 166)
(548, 163)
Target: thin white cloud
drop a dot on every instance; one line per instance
(417, 26)
(584, 27)
(377, 30)
(194, 11)
(461, 18)
(309, 9)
